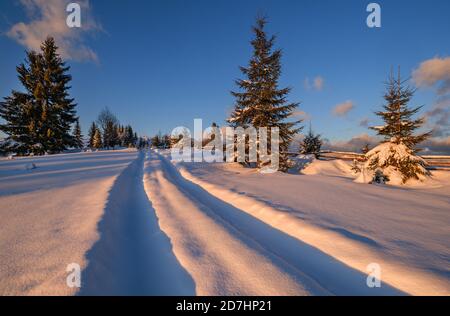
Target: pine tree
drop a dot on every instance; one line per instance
(110, 136)
(97, 139)
(78, 137)
(157, 140)
(396, 156)
(261, 103)
(39, 120)
(399, 125)
(129, 137)
(311, 144)
(18, 113)
(92, 130)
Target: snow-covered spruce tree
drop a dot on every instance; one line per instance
(39, 120)
(260, 102)
(396, 157)
(78, 137)
(311, 144)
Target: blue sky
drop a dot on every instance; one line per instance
(160, 64)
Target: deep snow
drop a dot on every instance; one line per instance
(229, 252)
(140, 224)
(49, 216)
(405, 230)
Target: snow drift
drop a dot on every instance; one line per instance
(396, 163)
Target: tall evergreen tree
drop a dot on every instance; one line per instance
(78, 137)
(399, 125)
(39, 120)
(110, 136)
(260, 102)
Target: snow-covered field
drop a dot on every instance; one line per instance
(49, 216)
(138, 223)
(404, 230)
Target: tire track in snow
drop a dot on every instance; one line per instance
(132, 256)
(229, 252)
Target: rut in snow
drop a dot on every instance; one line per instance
(132, 256)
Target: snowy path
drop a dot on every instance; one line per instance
(229, 252)
(132, 256)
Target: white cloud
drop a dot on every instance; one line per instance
(438, 118)
(355, 144)
(342, 109)
(434, 72)
(437, 146)
(48, 18)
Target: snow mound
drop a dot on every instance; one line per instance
(300, 162)
(396, 162)
(336, 168)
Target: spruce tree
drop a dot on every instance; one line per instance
(396, 157)
(121, 136)
(97, 140)
(110, 136)
(399, 125)
(39, 120)
(19, 115)
(311, 144)
(129, 138)
(260, 102)
(157, 140)
(92, 130)
(78, 137)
